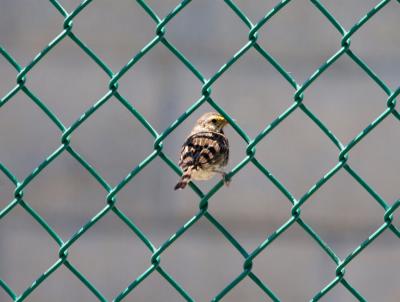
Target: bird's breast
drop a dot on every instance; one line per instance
(202, 174)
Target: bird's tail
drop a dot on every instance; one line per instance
(184, 179)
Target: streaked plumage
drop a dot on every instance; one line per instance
(206, 150)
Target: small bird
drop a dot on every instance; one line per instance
(205, 151)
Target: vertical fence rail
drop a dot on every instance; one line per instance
(389, 111)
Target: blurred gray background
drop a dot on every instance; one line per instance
(161, 88)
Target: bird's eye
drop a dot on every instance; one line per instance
(214, 121)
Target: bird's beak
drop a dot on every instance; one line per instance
(222, 121)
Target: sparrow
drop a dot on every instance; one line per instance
(205, 151)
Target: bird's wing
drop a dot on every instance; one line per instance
(203, 149)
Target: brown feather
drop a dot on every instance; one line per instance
(204, 149)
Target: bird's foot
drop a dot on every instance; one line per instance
(226, 179)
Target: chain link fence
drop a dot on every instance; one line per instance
(389, 111)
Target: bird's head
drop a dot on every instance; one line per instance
(211, 121)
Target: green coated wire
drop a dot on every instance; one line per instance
(111, 193)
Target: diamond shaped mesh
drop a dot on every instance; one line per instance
(389, 111)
